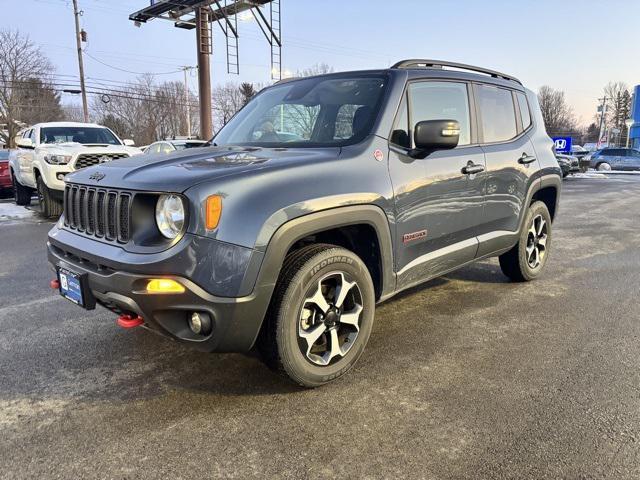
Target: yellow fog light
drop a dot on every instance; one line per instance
(164, 285)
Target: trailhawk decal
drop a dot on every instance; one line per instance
(329, 261)
(410, 237)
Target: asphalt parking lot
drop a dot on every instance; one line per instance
(468, 376)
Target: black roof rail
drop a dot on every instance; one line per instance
(424, 63)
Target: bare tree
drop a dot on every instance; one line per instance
(558, 116)
(72, 113)
(227, 100)
(21, 64)
(317, 69)
(146, 111)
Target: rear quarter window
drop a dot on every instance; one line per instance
(525, 113)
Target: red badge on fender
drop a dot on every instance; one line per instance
(378, 155)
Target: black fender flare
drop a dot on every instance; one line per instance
(295, 229)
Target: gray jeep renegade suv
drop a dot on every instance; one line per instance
(320, 198)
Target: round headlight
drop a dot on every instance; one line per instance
(170, 215)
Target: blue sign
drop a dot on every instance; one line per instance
(562, 144)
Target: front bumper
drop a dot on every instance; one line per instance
(236, 321)
(50, 176)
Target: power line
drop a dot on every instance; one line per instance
(129, 71)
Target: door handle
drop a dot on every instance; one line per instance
(472, 168)
(526, 159)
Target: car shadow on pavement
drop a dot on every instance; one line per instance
(97, 361)
(482, 272)
(485, 272)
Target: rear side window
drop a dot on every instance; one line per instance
(440, 101)
(525, 114)
(497, 114)
(166, 148)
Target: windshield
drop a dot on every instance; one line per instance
(318, 111)
(4, 154)
(84, 135)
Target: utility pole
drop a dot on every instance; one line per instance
(186, 99)
(203, 34)
(603, 110)
(85, 108)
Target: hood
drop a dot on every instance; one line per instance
(72, 148)
(179, 171)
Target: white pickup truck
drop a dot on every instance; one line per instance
(46, 152)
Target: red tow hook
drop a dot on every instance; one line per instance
(54, 284)
(127, 321)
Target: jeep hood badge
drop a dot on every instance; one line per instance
(97, 176)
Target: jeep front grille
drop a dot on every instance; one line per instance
(97, 212)
(88, 159)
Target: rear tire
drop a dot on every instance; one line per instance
(49, 205)
(314, 343)
(22, 194)
(526, 261)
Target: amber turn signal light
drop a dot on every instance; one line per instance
(164, 285)
(213, 210)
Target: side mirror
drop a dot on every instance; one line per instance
(24, 143)
(433, 135)
(129, 143)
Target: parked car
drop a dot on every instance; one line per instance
(48, 151)
(6, 188)
(289, 245)
(169, 146)
(578, 151)
(608, 159)
(568, 164)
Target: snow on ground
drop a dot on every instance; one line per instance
(597, 174)
(10, 211)
(588, 175)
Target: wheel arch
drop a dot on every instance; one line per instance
(296, 230)
(548, 192)
(349, 227)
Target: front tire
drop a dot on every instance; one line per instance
(22, 194)
(604, 167)
(527, 259)
(49, 205)
(320, 316)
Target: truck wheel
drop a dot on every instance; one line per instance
(527, 259)
(22, 193)
(320, 316)
(49, 206)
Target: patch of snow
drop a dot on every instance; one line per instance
(620, 172)
(11, 211)
(589, 175)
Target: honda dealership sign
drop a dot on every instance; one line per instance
(562, 144)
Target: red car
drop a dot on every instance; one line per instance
(5, 179)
